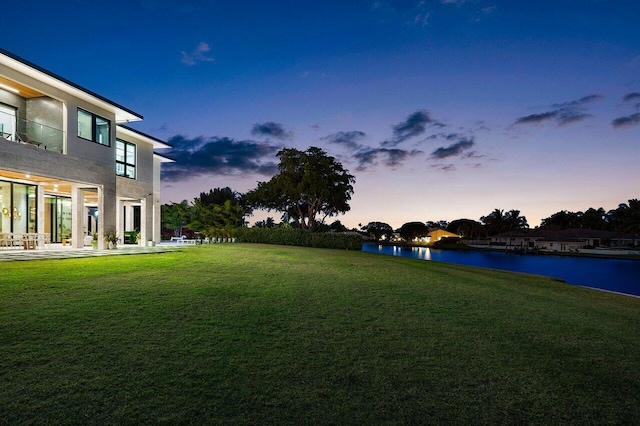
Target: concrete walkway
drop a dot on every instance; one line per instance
(57, 251)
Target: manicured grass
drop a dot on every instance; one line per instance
(253, 334)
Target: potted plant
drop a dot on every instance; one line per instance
(112, 239)
(94, 240)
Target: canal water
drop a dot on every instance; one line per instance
(619, 275)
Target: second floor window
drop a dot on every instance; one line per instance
(93, 127)
(125, 159)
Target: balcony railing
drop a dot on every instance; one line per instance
(30, 132)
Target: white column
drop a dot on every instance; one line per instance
(77, 217)
(40, 209)
(119, 219)
(100, 229)
(143, 222)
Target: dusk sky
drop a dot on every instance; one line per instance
(442, 109)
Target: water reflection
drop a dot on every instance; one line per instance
(619, 275)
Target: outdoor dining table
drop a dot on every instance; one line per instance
(27, 241)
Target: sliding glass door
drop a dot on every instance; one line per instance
(57, 214)
(18, 203)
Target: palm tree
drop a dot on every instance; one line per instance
(514, 221)
(494, 222)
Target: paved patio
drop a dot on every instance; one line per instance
(57, 251)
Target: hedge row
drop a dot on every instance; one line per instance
(299, 237)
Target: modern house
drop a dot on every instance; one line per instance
(69, 164)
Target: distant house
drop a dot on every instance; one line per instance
(436, 235)
(565, 240)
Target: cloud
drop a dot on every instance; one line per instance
(217, 156)
(452, 150)
(627, 121)
(422, 19)
(579, 102)
(390, 157)
(631, 96)
(473, 154)
(536, 118)
(444, 167)
(416, 124)
(570, 116)
(346, 139)
(271, 129)
(446, 136)
(489, 9)
(562, 113)
(199, 54)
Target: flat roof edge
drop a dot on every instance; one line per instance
(138, 132)
(68, 82)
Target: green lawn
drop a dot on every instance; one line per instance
(238, 334)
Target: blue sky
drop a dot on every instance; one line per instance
(442, 109)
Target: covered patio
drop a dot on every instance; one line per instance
(38, 211)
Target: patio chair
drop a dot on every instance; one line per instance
(24, 138)
(5, 240)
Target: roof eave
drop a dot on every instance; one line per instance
(157, 143)
(21, 65)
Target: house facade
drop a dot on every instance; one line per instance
(436, 235)
(566, 240)
(69, 164)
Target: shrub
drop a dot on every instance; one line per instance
(299, 237)
(449, 243)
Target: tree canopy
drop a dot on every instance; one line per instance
(309, 184)
(378, 229)
(498, 221)
(218, 211)
(625, 218)
(175, 216)
(412, 230)
(466, 228)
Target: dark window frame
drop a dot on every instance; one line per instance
(126, 164)
(94, 127)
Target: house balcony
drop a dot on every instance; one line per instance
(32, 132)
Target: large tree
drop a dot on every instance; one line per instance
(626, 218)
(498, 221)
(378, 230)
(309, 184)
(411, 230)
(175, 216)
(467, 228)
(515, 221)
(219, 196)
(563, 219)
(212, 218)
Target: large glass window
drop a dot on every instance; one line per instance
(5, 206)
(125, 159)
(102, 131)
(93, 127)
(7, 121)
(18, 206)
(85, 125)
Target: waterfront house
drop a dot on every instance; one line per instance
(435, 235)
(565, 240)
(69, 164)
